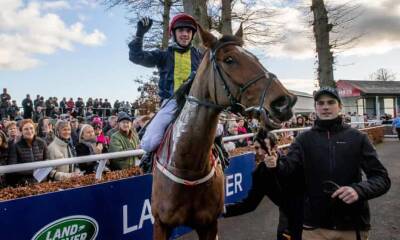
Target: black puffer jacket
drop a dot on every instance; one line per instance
(21, 152)
(334, 151)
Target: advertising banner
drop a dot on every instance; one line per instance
(113, 210)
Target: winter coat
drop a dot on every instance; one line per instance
(121, 142)
(21, 152)
(283, 192)
(28, 107)
(337, 153)
(164, 61)
(83, 149)
(61, 149)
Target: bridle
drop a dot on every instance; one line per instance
(234, 102)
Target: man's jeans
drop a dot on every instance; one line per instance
(156, 128)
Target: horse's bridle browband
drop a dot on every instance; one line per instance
(235, 105)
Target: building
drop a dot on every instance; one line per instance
(304, 104)
(374, 98)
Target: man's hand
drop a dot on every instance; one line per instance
(143, 26)
(346, 194)
(271, 157)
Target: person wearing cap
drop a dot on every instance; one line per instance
(123, 140)
(175, 65)
(331, 158)
(396, 125)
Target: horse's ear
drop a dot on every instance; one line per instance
(239, 32)
(206, 37)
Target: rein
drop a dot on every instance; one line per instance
(235, 105)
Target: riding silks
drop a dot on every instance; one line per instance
(182, 68)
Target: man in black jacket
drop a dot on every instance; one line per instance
(264, 183)
(28, 106)
(331, 157)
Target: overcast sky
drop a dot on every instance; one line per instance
(78, 48)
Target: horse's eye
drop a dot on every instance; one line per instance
(229, 60)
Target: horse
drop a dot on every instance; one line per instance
(188, 183)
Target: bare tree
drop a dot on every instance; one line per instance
(158, 10)
(257, 18)
(321, 29)
(382, 74)
(330, 28)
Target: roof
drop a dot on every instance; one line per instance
(376, 87)
(303, 94)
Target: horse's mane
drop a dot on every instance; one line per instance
(184, 89)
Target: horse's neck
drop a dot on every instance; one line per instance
(193, 136)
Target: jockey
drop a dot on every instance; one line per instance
(175, 64)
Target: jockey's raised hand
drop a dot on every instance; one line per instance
(143, 26)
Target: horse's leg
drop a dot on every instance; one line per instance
(160, 231)
(209, 232)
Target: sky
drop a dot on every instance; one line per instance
(79, 48)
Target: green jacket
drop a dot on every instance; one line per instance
(120, 142)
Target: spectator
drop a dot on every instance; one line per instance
(107, 106)
(307, 122)
(45, 130)
(98, 130)
(117, 106)
(300, 121)
(123, 140)
(79, 106)
(396, 125)
(29, 148)
(3, 155)
(63, 105)
(241, 129)
(36, 102)
(61, 147)
(74, 131)
(12, 132)
(49, 106)
(88, 146)
(70, 105)
(27, 105)
(4, 103)
(13, 110)
(232, 131)
(96, 106)
(111, 126)
(89, 104)
(40, 109)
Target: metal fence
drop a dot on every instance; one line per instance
(110, 156)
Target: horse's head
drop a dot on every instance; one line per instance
(241, 82)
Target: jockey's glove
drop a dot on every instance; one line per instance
(143, 26)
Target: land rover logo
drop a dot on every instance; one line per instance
(76, 227)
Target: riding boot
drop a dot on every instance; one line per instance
(223, 154)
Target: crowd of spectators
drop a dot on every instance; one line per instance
(53, 108)
(49, 130)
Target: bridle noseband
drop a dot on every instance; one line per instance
(235, 105)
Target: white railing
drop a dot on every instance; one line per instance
(91, 158)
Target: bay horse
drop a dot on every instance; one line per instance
(188, 187)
